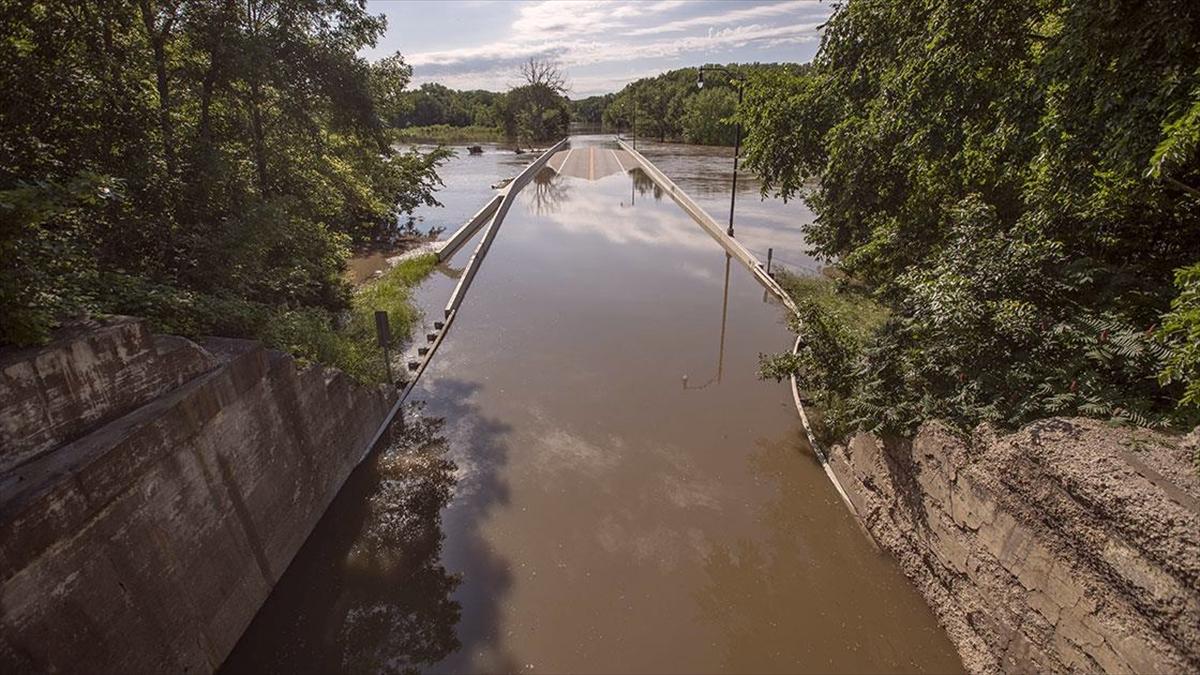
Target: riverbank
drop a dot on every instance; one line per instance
(1069, 545)
(351, 345)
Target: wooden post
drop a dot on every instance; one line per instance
(383, 332)
(770, 252)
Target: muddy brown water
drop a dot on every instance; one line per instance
(595, 480)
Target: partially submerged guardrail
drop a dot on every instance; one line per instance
(508, 196)
(468, 230)
(710, 225)
(495, 209)
(735, 249)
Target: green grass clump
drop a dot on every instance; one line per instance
(850, 307)
(835, 322)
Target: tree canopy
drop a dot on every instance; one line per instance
(201, 159)
(1017, 181)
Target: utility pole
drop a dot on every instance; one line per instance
(739, 81)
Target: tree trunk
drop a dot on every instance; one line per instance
(158, 40)
(258, 136)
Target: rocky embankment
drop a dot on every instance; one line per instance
(1069, 546)
(153, 490)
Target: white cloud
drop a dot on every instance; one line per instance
(586, 34)
(736, 16)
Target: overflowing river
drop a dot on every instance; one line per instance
(596, 481)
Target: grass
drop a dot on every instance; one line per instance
(311, 334)
(835, 322)
(444, 133)
(849, 307)
(312, 337)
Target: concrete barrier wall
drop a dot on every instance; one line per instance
(468, 229)
(149, 544)
(732, 246)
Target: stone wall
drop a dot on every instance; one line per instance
(1069, 546)
(149, 543)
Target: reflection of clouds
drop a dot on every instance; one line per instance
(561, 450)
(692, 493)
(701, 272)
(601, 212)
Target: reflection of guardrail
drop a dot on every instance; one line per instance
(508, 196)
(689, 205)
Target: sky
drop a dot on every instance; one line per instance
(601, 46)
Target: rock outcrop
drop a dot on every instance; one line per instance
(1069, 546)
(143, 527)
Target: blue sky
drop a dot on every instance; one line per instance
(600, 45)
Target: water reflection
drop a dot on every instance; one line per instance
(548, 192)
(721, 349)
(644, 184)
(765, 595)
(368, 591)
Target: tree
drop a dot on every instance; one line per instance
(537, 111)
(163, 158)
(705, 117)
(998, 177)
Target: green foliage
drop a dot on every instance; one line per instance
(1016, 182)
(590, 111)
(705, 117)
(671, 107)
(199, 155)
(45, 273)
(834, 323)
(444, 133)
(313, 336)
(535, 113)
(1181, 333)
(434, 104)
(342, 339)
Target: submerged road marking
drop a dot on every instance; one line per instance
(616, 157)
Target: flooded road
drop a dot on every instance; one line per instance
(617, 491)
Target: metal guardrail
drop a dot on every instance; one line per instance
(737, 250)
(710, 225)
(496, 208)
(468, 229)
(509, 195)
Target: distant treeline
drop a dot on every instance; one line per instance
(669, 106)
(535, 111)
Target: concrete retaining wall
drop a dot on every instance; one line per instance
(1067, 547)
(54, 394)
(148, 544)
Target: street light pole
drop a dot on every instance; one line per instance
(740, 83)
